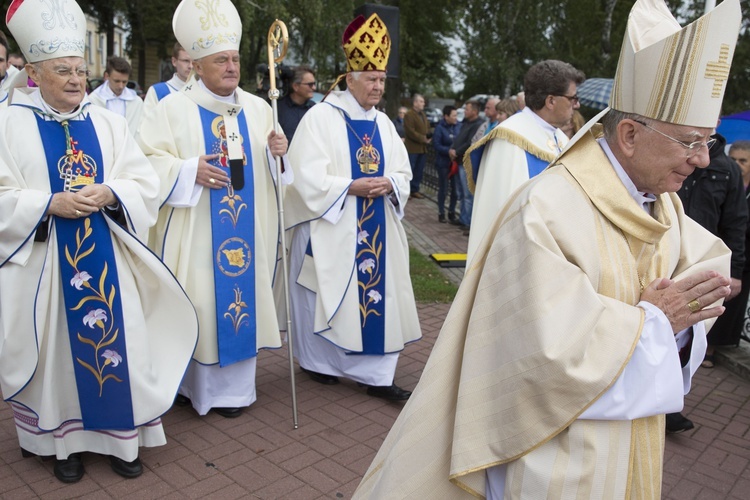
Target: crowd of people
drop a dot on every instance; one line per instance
(140, 249)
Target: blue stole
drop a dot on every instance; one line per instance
(366, 150)
(91, 289)
(233, 238)
(162, 90)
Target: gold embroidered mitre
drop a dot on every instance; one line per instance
(205, 27)
(673, 74)
(366, 44)
(47, 30)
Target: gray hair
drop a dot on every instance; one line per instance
(614, 117)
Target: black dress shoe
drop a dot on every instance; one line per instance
(452, 217)
(69, 470)
(391, 393)
(228, 412)
(677, 422)
(27, 453)
(181, 400)
(441, 218)
(454, 221)
(321, 378)
(127, 470)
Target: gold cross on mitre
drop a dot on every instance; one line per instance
(718, 71)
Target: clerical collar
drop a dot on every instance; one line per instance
(551, 129)
(175, 82)
(229, 99)
(45, 109)
(643, 199)
(355, 111)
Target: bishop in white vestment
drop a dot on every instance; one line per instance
(218, 228)
(353, 308)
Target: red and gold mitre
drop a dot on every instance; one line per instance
(366, 44)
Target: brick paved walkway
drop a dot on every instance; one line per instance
(259, 455)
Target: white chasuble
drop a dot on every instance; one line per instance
(172, 138)
(160, 325)
(322, 161)
(543, 325)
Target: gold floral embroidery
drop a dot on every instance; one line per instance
(96, 318)
(370, 263)
(234, 312)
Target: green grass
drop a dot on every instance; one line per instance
(429, 283)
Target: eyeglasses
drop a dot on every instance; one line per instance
(67, 72)
(309, 84)
(572, 98)
(690, 149)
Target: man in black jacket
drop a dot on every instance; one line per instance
(714, 197)
(461, 144)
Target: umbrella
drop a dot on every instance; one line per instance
(735, 127)
(594, 92)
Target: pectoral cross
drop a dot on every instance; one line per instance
(67, 176)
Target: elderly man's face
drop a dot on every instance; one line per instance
(61, 81)
(418, 103)
(368, 88)
(489, 109)
(220, 72)
(660, 165)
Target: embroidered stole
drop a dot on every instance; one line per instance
(366, 150)
(90, 285)
(232, 227)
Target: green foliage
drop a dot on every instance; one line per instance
(429, 283)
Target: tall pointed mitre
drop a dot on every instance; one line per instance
(205, 27)
(47, 30)
(366, 44)
(673, 74)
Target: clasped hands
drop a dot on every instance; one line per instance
(685, 302)
(370, 187)
(89, 199)
(214, 177)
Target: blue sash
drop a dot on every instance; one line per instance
(535, 165)
(366, 151)
(233, 238)
(91, 289)
(162, 90)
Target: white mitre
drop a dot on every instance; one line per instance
(673, 74)
(205, 27)
(47, 29)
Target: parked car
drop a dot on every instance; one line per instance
(434, 116)
(132, 84)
